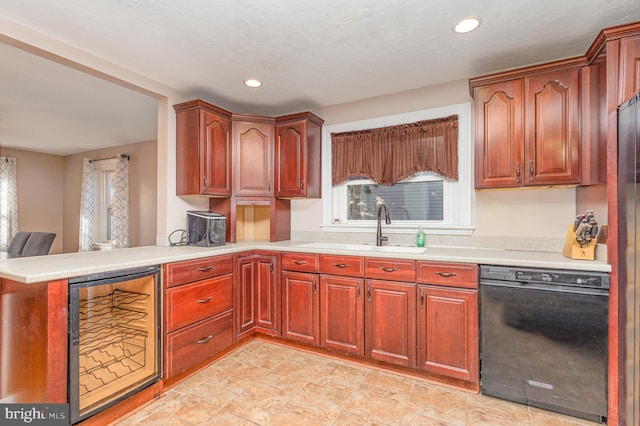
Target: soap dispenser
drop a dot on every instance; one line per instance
(420, 237)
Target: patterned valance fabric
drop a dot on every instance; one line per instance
(387, 155)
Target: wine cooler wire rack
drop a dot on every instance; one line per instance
(113, 338)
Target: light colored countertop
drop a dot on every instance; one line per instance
(60, 266)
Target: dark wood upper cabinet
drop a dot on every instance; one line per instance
(499, 115)
(253, 156)
(528, 127)
(552, 137)
(203, 149)
(629, 67)
(298, 152)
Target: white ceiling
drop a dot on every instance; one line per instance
(308, 53)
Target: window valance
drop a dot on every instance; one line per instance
(389, 154)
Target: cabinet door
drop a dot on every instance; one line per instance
(301, 305)
(267, 295)
(215, 158)
(448, 332)
(203, 149)
(246, 295)
(552, 139)
(290, 160)
(342, 314)
(499, 120)
(253, 147)
(629, 67)
(390, 314)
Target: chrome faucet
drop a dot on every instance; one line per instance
(387, 219)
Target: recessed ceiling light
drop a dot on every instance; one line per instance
(253, 82)
(466, 25)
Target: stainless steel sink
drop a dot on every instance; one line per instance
(365, 248)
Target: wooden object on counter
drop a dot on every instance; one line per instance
(573, 250)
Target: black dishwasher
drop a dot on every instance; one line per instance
(544, 338)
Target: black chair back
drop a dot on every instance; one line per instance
(38, 244)
(18, 242)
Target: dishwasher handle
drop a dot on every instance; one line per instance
(527, 285)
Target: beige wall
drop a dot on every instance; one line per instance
(39, 193)
(142, 192)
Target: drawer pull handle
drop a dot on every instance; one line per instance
(205, 300)
(205, 269)
(388, 269)
(205, 340)
(446, 274)
(300, 262)
(341, 265)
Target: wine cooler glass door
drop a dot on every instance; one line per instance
(114, 339)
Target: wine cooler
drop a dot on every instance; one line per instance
(114, 338)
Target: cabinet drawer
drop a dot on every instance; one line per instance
(301, 262)
(198, 269)
(189, 346)
(194, 302)
(391, 269)
(348, 266)
(448, 274)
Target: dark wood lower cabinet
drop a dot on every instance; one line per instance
(342, 314)
(245, 283)
(448, 332)
(300, 310)
(258, 302)
(190, 345)
(390, 322)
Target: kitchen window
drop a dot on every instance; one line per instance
(438, 204)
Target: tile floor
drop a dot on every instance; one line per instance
(262, 383)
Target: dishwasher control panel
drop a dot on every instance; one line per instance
(546, 276)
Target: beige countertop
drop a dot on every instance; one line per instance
(60, 266)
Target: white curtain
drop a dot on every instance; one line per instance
(120, 204)
(87, 206)
(8, 201)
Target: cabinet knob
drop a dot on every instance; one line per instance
(517, 172)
